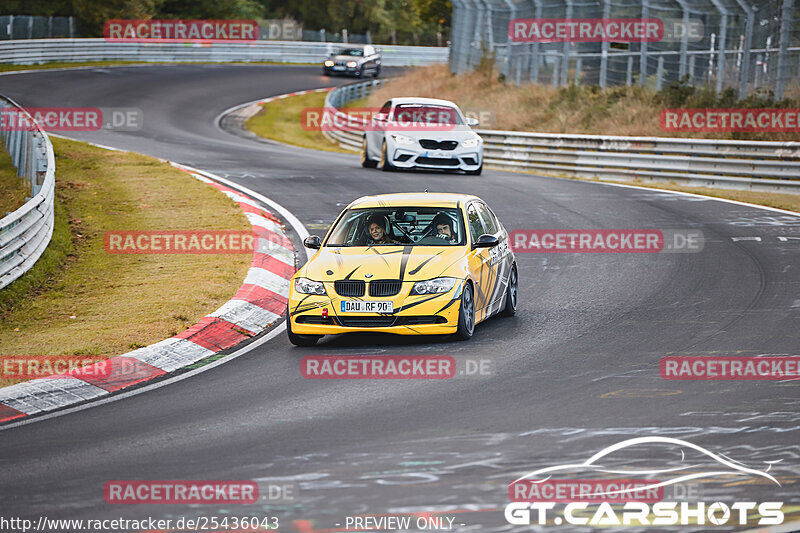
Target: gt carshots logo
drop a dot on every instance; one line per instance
(539, 498)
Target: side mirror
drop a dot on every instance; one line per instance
(312, 241)
(472, 122)
(380, 117)
(486, 241)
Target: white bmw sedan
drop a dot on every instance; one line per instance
(422, 133)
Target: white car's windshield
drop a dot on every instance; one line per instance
(426, 114)
(399, 226)
(356, 52)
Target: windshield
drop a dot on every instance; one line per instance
(357, 52)
(426, 114)
(399, 226)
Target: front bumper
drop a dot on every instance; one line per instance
(348, 71)
(466, 159)
(429, 314)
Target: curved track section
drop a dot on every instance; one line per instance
(574, 371)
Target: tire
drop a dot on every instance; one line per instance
(466, 314)
(377, 71)
(476, 172)
(299, 340)
(366, 162)
(360, 72)
(512, 293)
(385, 165)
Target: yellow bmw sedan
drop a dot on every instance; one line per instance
(410, 264)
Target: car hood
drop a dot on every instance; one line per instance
(458, 132)
(346, 58)
(409, 263)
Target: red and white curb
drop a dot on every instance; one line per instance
(258, 304)
(253, 107)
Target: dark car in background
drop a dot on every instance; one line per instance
(355, 61)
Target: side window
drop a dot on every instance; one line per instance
(475, 224)
(386, 107)
(489, 222)
(368, 51)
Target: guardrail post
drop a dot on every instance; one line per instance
(535, 57)
(684, 39)
(723, 30)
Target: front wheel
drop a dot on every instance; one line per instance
(510, 308)
(476, 172)
(466, 314)
(385, 164)
(299, 340)
(366, 162)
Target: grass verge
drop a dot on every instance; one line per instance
(80, 300)
(280, 120)
(76, 64)
(13, 189)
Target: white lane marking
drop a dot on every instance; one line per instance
(737, 239)
(298, 227)
(695, 195)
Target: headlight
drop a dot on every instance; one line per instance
(352, 64)
(433, 286)
(307, 286)
(470, 143)
(402, 139)
(328, 63)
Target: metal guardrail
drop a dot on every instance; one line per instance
(25, 233)
(754, 165)
(31, 51)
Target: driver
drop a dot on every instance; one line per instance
(376, 227)
(443, 228)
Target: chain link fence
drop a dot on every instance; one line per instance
(27, 27)
(720, 43)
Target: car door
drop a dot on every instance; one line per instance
(479, 261)
(501, 259)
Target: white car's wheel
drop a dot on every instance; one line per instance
(366, 162)
(385, 164)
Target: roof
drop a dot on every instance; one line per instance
(420, 100)
(412, 199)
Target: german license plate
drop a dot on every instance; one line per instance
(360, 306)
(337, 67)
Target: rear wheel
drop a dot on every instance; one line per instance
(299, 340)
(466, 315)
(511, 293)
(385, 164)
(366, 162)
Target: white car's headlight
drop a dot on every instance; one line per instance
(470, 143)
(328, 63)
(433, 286)
(307, 286)
(352, 64)
(402, 139)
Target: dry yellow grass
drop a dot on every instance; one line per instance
(121, 302)
(539, 108)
